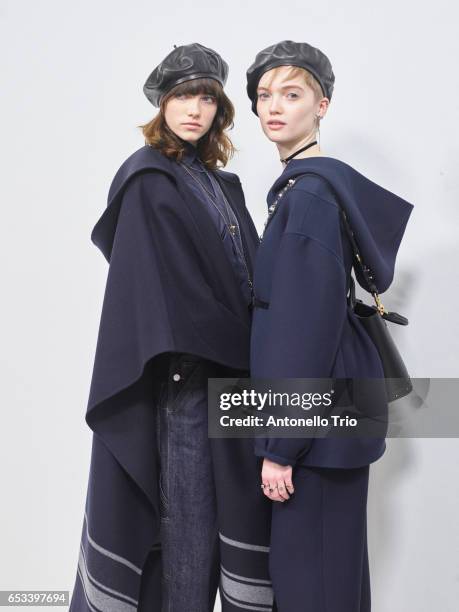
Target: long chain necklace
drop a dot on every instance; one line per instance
(232, 228)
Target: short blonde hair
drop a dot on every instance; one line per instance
(295, 71)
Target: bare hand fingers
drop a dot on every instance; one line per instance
(282, 489)
(273, 492)
(270, 490)
(277, 481)
(289, 486)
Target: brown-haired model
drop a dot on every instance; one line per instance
(170, 513)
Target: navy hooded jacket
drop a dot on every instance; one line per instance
(302, 271)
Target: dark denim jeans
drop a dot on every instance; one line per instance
(189, 534)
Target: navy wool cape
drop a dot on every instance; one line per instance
(170, 288)
(302, 271)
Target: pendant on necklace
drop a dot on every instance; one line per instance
(232, 229)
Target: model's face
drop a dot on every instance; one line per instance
(190, 117)
(286, 107)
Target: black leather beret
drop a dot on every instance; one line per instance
(184, 63)
(289, 53)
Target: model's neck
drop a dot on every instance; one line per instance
(286, 149)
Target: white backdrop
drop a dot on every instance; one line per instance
(71, 100)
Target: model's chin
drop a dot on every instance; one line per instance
(191, 136)
(275, 136)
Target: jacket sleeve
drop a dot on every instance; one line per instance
(305, 317)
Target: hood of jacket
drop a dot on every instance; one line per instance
(377, 216)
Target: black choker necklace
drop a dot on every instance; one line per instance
(287, 159)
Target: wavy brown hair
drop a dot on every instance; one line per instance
(215, 147)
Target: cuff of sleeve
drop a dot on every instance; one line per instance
(276, 458)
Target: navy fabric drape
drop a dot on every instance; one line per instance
(170, 288)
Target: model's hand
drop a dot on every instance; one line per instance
(278, 478)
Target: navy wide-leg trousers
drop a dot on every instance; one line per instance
(319, 555)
